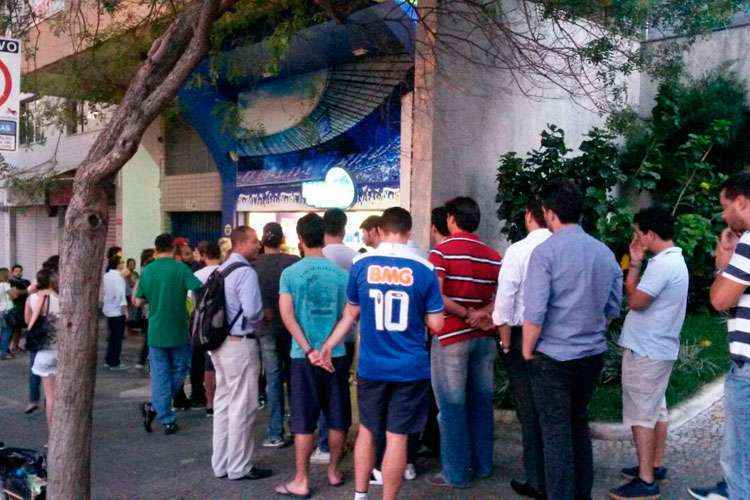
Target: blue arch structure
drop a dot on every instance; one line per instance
(386, 28)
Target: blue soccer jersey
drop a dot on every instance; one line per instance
(395, 289)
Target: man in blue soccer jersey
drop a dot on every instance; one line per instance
(398, 296)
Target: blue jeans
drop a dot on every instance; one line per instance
(274, 386)
(735, 453)
(463, 381)
(35, 381)
(5, 334)
(169, 366)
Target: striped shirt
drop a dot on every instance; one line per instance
(469, 270)
(738, 271)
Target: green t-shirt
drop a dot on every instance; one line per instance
(164, 284)
(318, 290)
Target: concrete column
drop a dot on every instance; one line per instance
(423, 122)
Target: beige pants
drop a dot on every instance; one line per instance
(235, 405)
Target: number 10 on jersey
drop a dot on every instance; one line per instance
(385, 307)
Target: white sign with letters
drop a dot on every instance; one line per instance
(10, 92)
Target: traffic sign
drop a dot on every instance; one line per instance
(10, 92)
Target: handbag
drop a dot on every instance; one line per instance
(38, 337)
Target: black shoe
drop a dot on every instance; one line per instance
(171, 429)
(526, 490)
(148, 413)
(636, 489)
(255, 473)
(660, 473)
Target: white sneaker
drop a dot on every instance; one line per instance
(376, 477)
(320, 457)
(410, 473)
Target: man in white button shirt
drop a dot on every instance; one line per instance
(508, 317)
(114, 307)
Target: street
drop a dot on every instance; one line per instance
(130, 464)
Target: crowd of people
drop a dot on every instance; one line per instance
(418, 333)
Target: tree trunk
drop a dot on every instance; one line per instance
(170, 61)
(80, 277)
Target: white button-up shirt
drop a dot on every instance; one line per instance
(114, 294)
(509, 297)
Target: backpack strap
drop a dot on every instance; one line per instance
(226, 272)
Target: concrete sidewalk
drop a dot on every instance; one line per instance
(130, 464)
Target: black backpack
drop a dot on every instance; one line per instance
(210, 326)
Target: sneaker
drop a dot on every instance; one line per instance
(171, 429)
(138, 366)
(526, 490)
(148, 414)
(718, 492)
(261, 402)
(273, 443)
(439, 480)
(660, 473)
(376, 477)
(410, 473)
(209, 412)
(320, 457)
(117, 368)
(636, 489)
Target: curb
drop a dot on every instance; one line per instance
(679, 416)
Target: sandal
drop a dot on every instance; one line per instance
(283, 491)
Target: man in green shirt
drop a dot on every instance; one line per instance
(164, 285)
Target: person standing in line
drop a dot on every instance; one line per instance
(114, 307)
(211, 259)
(18, 294)
(573, 289)
(41, 314)
(237, 364)
(147, 256)
(651, 342)
(335, 226)
(6, 306)
(163, 286)
(275, 341)
(729, 292)
(370, 228)
(399, 297)
(430, 438)
(508, 317)
(312, 294)
(463, 352)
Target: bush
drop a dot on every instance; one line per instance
(679, 157)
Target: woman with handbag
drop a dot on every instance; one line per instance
(42, 312)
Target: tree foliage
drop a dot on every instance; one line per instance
(678, 157)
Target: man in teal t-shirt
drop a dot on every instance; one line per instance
(164, 285)
(312, 295)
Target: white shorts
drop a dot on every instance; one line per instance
(45, 363)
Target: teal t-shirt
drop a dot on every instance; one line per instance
(318, 290)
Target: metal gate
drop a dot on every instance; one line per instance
(196, 226)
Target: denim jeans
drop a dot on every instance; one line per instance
(5, 334)
(463, 381)
(518, 370)
(562, 391)
(274, 385)
(116, 327)
(169, 366)
(35, 381)
(735, 452)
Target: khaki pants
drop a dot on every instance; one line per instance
(235, 405)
